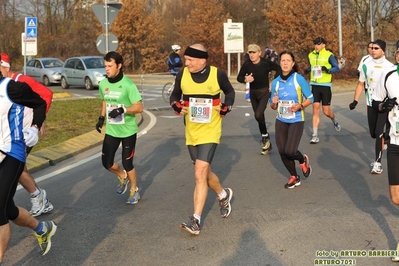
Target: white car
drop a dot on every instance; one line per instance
(46, 70)
(85, 71)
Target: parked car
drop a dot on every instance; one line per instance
(45, 70)
(85, 71)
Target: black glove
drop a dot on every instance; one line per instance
(224, 109)
(388, 105)
(307, 71)
(352, 105)
(116, 112)
(177, 106)
(324, 69)
(100, 123)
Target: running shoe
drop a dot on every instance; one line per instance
(396, 258)
(192, 226)
(48, 207)
(314, 139)
(377, 168)
(38, 203)
(337, 126)
(266, 146)
(306, 168)
(293, 182)
(134, 196)
(225, 207)
(123, 182)
(44, 239)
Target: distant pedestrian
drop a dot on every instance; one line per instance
(121, 103)
(290, 95)
(323, 65)
(174, 59)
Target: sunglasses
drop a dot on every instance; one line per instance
(252, 52)
(375, 48)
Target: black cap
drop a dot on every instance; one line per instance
(319, 40)
(381, 44)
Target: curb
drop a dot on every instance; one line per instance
(52, 155)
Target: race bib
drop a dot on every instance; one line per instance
(284, 109)
(120, 119)
(316, 71)
(200, 110)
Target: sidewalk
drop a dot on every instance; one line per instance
(46, 157)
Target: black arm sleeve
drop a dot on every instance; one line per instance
(21, 93)
(226, 87)
(177, 92)
(243, 72)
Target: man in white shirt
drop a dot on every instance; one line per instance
(370, 73)
(385, 101)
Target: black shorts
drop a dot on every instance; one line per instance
(322, 93)
(393, 166)
(203, 152)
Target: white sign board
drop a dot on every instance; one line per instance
(29, 45)
(233, 38)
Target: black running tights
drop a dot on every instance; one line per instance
(288, 136)
(10, 171)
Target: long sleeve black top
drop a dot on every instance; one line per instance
(260, 73)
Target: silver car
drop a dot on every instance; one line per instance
(85, 71)
(45, 70)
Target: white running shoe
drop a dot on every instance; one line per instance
(38, 203)
(48, 207)
(377, 168)
(314, 139)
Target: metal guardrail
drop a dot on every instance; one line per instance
(151, 85)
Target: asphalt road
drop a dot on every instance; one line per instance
(340, 207)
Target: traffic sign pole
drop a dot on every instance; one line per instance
(106, 15)
(30, 35)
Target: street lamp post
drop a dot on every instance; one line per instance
(371, 21)
(339, 28)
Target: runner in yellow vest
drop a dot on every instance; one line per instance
(201, 86)
(322, 65)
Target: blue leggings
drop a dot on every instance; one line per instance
(10, 171)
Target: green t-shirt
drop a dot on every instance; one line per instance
(123, 93)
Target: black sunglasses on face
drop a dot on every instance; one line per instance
(375, 48)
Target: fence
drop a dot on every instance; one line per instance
(151, 86)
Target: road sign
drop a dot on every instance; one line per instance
(233, 37)
(31, 27)
(29, 37)
(29, 45)
(112, 11)
(112, 43)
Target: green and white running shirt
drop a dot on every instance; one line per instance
(123, 93)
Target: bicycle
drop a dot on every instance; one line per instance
(167, 90)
